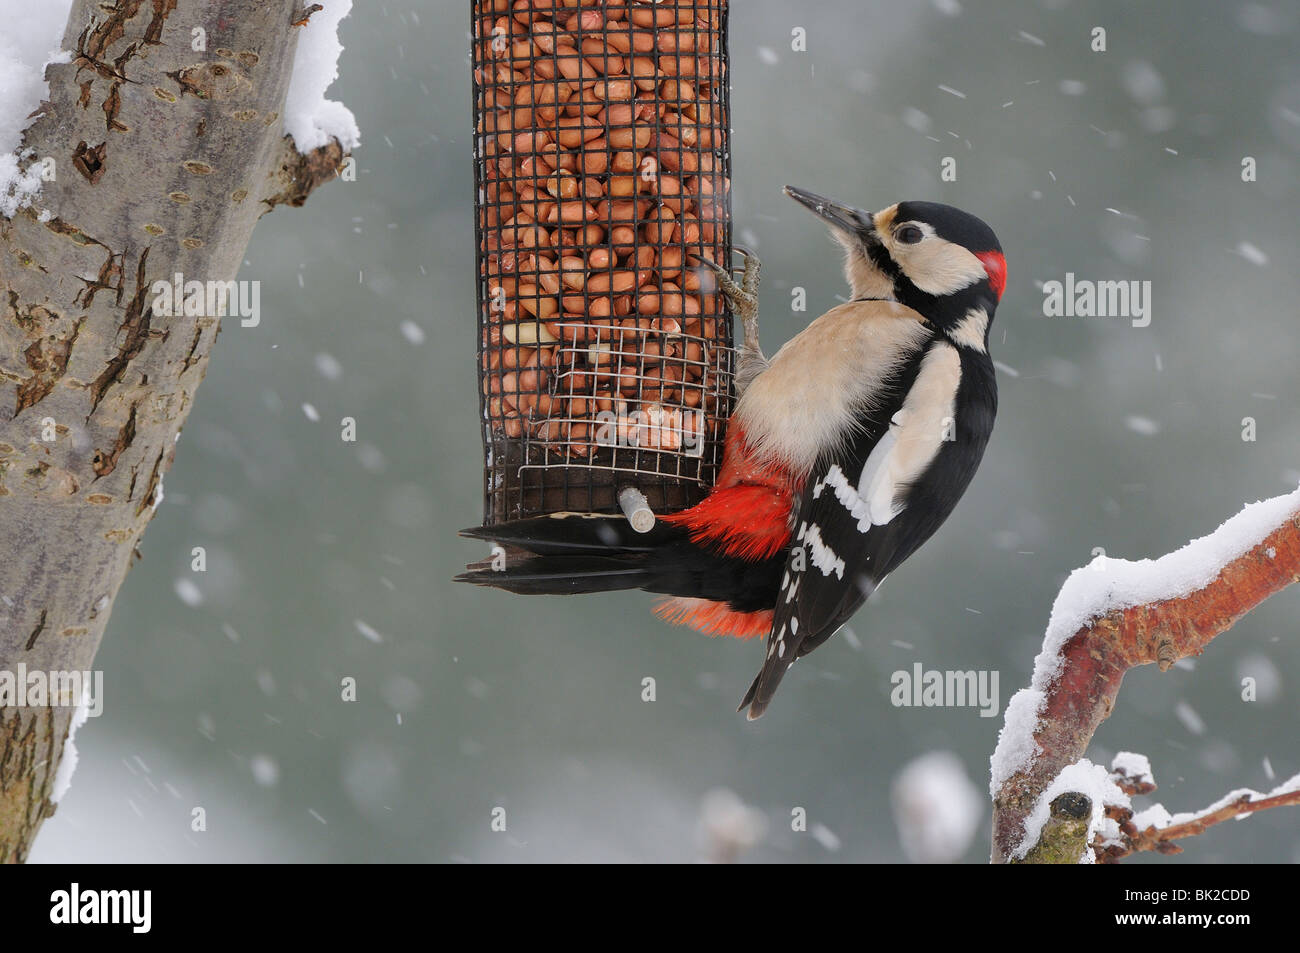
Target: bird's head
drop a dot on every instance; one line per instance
(942, 262)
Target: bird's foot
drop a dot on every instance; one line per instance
(753, 269)
(742, 295)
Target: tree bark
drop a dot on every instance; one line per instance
(165, 157)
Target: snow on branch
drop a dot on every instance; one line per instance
(323, 130)
(1109, 617)
(320, 133)
(309, 117)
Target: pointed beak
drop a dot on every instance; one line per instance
(844, 217)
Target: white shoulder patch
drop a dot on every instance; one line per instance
(877, 485)
(914, 438)
(916, 433)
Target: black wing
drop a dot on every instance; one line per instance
(872, 503)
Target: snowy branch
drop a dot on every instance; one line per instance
(1112, 616)
(1155, 829)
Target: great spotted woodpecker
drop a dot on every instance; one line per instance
(845, 452)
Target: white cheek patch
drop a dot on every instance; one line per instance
(935, 265)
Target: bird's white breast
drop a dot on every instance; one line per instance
(806, 399)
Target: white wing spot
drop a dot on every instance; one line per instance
(823, 557)
(794, 626)
(847, 496)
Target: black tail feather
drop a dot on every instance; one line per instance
(567, 553)
(764, 687)
(571, 533)
(560, 575)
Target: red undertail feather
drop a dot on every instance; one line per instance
(746, 521)
(747, 513)
(714, 618)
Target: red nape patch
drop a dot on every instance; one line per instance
(715, 618)
(747, 521)
(996, 266)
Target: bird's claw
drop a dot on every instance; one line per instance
(752, 269)
(742, 295)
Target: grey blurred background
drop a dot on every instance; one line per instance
(329, 559)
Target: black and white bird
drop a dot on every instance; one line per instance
(845, 452)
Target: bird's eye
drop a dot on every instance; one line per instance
(909, 235)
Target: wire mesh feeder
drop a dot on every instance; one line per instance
(602, 176)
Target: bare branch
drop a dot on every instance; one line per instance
(1161, 838)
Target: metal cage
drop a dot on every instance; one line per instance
(602, 178)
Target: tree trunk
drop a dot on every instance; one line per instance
(164, 158)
